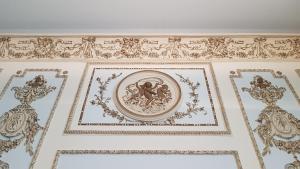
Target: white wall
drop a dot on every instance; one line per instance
(155, 16)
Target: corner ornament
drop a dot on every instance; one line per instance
(276, 126)
(21, 123)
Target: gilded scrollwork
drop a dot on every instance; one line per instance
(276, 126)
(186, 47)
(20, 124)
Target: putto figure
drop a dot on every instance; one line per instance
(162, 92)
(150, 95)
(146, 90)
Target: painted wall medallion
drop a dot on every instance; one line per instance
(148, 95)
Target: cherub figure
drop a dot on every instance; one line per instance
(262, 83)
(37, 81)
(146, 90)
(162, 91)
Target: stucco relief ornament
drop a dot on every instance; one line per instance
(43, 47)
(276, 126)
(147, 95)
(21, 123)
(130, 47)
(87, 47)
(4, 44)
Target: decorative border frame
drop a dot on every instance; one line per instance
(227, 130)
(164, 152)
(149, 47)
(116, 124)
(276, 75)
(21, 74)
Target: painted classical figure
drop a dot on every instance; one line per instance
(146, 90)
(162, 91)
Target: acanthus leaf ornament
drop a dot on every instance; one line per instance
(20, 124)
(276, 126)
(264, 91)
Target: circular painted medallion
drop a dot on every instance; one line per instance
(147, 95)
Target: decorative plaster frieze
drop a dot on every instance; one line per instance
(149, 47)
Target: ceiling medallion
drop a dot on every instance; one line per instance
(148, 95)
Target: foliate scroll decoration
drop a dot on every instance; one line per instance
(160, 96)
(102, 101)
(193, 47)
(193, 106)
(276, 126)
(20, 124)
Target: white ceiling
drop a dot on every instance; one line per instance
(150, 16)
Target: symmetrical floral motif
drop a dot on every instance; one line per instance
(92, 47)
(276, 126)
(193, 106)
(102, 101)
(130, 47)
(21, 122)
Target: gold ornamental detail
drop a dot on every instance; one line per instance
(276, 126)
(147, 47)
(148, 97)
(20, 124)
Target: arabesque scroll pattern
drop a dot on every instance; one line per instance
(128, 47)
(276, 126)
(21, 123)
